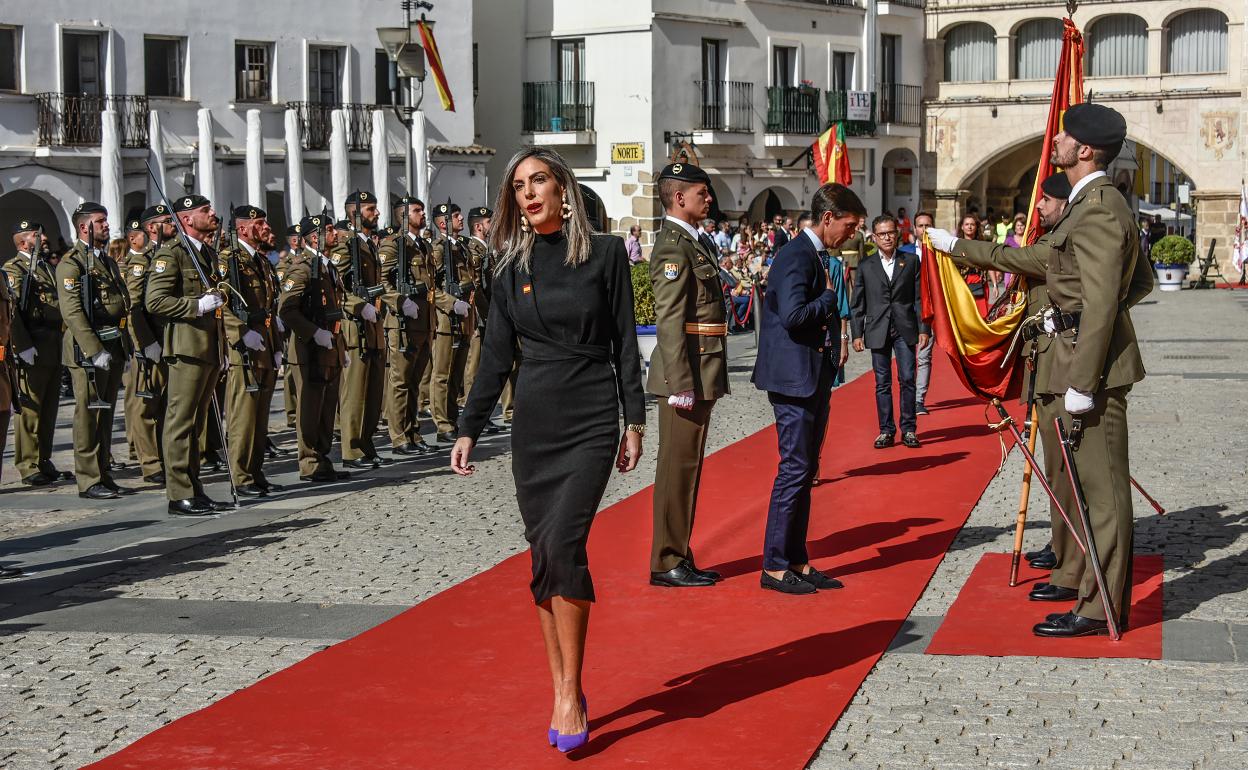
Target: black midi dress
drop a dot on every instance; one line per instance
(579, 367)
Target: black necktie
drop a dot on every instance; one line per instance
(706, 241)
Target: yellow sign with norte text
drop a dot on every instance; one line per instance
(628, 152)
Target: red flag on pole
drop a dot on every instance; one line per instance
(435, 66)
(831, 156)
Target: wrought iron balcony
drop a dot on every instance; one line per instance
(725, 106)
(792, 110)
(73, 120)
(901, 104)
(316, 123)
(558, 105)
(838, 110)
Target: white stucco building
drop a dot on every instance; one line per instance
(240, 99)
(742, 87)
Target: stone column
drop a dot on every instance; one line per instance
(207, 171)
(381, 167)
(294, 167)
(1003, 57)
(949, 206)
(1156, 51)
(1217, 212)
(255, 160)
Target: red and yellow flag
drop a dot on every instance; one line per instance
(435, 65)
(832, 156)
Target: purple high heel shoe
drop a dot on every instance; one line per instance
(553, 735)
(566, 743)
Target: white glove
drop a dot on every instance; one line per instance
(323, 338)
(942, 240)
(461, 308)
(346, 360)
(1049, 326)
(1078, 402)
(152, 352)
(209, 302)
(411, 309)
(681, 400)
(253, 340)
(281, 327)
(368, 313)
(28, 355)
(101, 360)
(277, 360)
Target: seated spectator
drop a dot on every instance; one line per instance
(740, 316)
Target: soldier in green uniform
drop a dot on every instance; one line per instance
(361, 393)
(145, 414)
(409, 326)
(255, 349)
(688, 369)
(182, 293)
(311, 306)
(9, 391)
(480, 264)
(1093, 275)
(452, 288)
(36, 341)
(94, 305)
(293, 251)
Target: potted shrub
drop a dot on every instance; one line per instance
(1172, 255)
(643, 313)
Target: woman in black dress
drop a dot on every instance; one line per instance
(565, 296)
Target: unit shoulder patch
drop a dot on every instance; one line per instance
(136, 271)
(671, 270)
(288, 285)
(69, 284)
(160, 265)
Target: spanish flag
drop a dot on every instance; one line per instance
(435, 65)
(831, 156)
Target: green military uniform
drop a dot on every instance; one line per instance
(363, 383)
(409, 340)
(38, 327)
(9, 390)
(1092, 271)
(312, 299)
(451, 340)
(253, 344)
(193, 350)
(288, 390)
(690, 356)
(478, 265)
(108, 305)
(145, 417)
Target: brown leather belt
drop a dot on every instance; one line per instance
(707, 330)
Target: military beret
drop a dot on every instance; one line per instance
(685, 172)
(480, 212)
(189, 203)
(151, 212)
(408, 200)
(249, 212)
(1095, 125)
(344, 225)
(292, 231)
(361, 196)
(309, 225)
(442, 209)
(25, 226)
(1056, 186)
(134, 226)
(90, 207)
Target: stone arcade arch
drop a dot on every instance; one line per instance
(30, 205)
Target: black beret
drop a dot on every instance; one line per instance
(151, 212)
(1056, 186)
(311, 224)
(90, 207)
(292, 231)
(442, 209)
(344, 225)
(361, 196)
(1096, 125)
(408, 200)
(189, 203)
(134, 226)
(25, 226)
(480, 212)
(249, 212)
(685, 172)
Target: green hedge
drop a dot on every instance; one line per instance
(643, 295)
(1173, 250)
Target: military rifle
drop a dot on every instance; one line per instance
(403, 273)
(238, 306)
(450, 275)
(86, 295)
(25, 291)
(6, 350)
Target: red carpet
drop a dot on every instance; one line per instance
(987, 601)
(730, 676)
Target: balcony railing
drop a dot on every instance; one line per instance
(908, 3)
(838, 110)
(316, 123)
(901, 104)
(792, 110)
(73, 120)
(558, 105)
(726, 105)
(845, 3)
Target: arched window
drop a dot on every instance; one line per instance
(970, 53)
(1038, 47)
(1118, 46)
(1196, 42)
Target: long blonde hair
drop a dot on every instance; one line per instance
(511, 242)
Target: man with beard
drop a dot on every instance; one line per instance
(145, 414)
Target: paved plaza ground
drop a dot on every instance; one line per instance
(129, 619)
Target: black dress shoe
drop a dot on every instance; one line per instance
(50, 470)
(447, 437)
(404, 450)
(156, 478)
(113, 465)
(378, 461)
(1051, 593)
(190, 507)
(680, 576)
(211, 466)
(1070, 625)
(360, 464)
(883, 441)
(1033, 555)
(425, 414)
(324, 476)
(213, 504)
(709, 573)
(818, 579)
(8, 573)
(790, 583)
(250, 490)
(99, 492)
(909, 439)
(491, 428)
(38, 479)
(1044, 561)
(270, 487)
(120, 489)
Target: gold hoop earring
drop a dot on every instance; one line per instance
(524, 224)
(565, 210)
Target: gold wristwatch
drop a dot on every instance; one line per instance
(640, 430)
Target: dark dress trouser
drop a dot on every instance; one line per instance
(800, 426)
(882, 365)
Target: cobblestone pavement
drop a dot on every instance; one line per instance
(135, 622)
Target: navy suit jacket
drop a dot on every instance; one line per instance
(797, 313)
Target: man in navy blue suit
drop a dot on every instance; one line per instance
(801, 345)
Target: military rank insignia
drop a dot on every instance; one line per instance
(671, 270)
(160, 266)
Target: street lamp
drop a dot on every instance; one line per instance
(407, 72)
